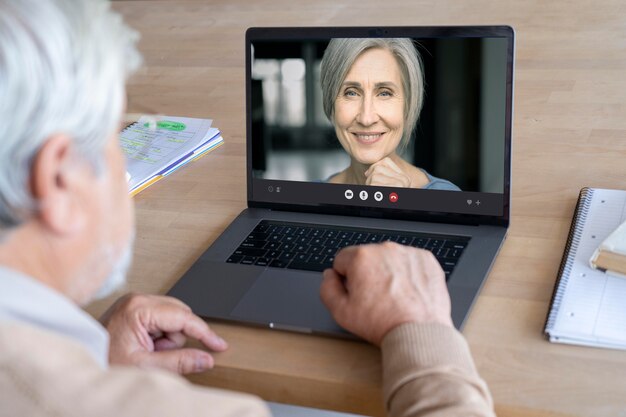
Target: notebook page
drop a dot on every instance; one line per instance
(594, 306)
(148, 151)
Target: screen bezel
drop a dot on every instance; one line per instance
(304, 33)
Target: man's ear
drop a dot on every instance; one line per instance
(55, 178)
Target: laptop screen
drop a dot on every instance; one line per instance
(411, 119)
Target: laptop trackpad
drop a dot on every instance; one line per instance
(213, 289)
(286, 298)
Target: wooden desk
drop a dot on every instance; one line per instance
(569, 132)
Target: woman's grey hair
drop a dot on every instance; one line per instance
(341, 54)
(63, 69)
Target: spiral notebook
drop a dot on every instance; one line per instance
(155, 149)
(589, 306)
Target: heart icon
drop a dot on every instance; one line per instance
(469, 202)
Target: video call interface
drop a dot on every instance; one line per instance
(396, 123)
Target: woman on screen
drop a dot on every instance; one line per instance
(372, 92)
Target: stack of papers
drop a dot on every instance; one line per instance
(156, 148)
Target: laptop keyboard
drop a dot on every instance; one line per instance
(313, 247)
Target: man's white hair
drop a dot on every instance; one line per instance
(63, 67)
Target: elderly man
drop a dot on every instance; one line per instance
(66, 227)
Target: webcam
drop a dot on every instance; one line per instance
(378, 32)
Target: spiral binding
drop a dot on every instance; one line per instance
(573, 240)
(128, 126)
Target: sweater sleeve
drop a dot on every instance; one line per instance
(428, 371)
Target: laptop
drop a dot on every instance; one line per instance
(325, 103)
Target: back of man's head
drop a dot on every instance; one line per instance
(63, 66)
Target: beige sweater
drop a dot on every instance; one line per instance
(428, 371)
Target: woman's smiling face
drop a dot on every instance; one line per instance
(369, 110)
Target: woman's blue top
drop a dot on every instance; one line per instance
(434, 183)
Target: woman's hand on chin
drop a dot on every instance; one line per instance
(386, 173)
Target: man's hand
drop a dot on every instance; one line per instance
(371, 289)
(150, 331)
